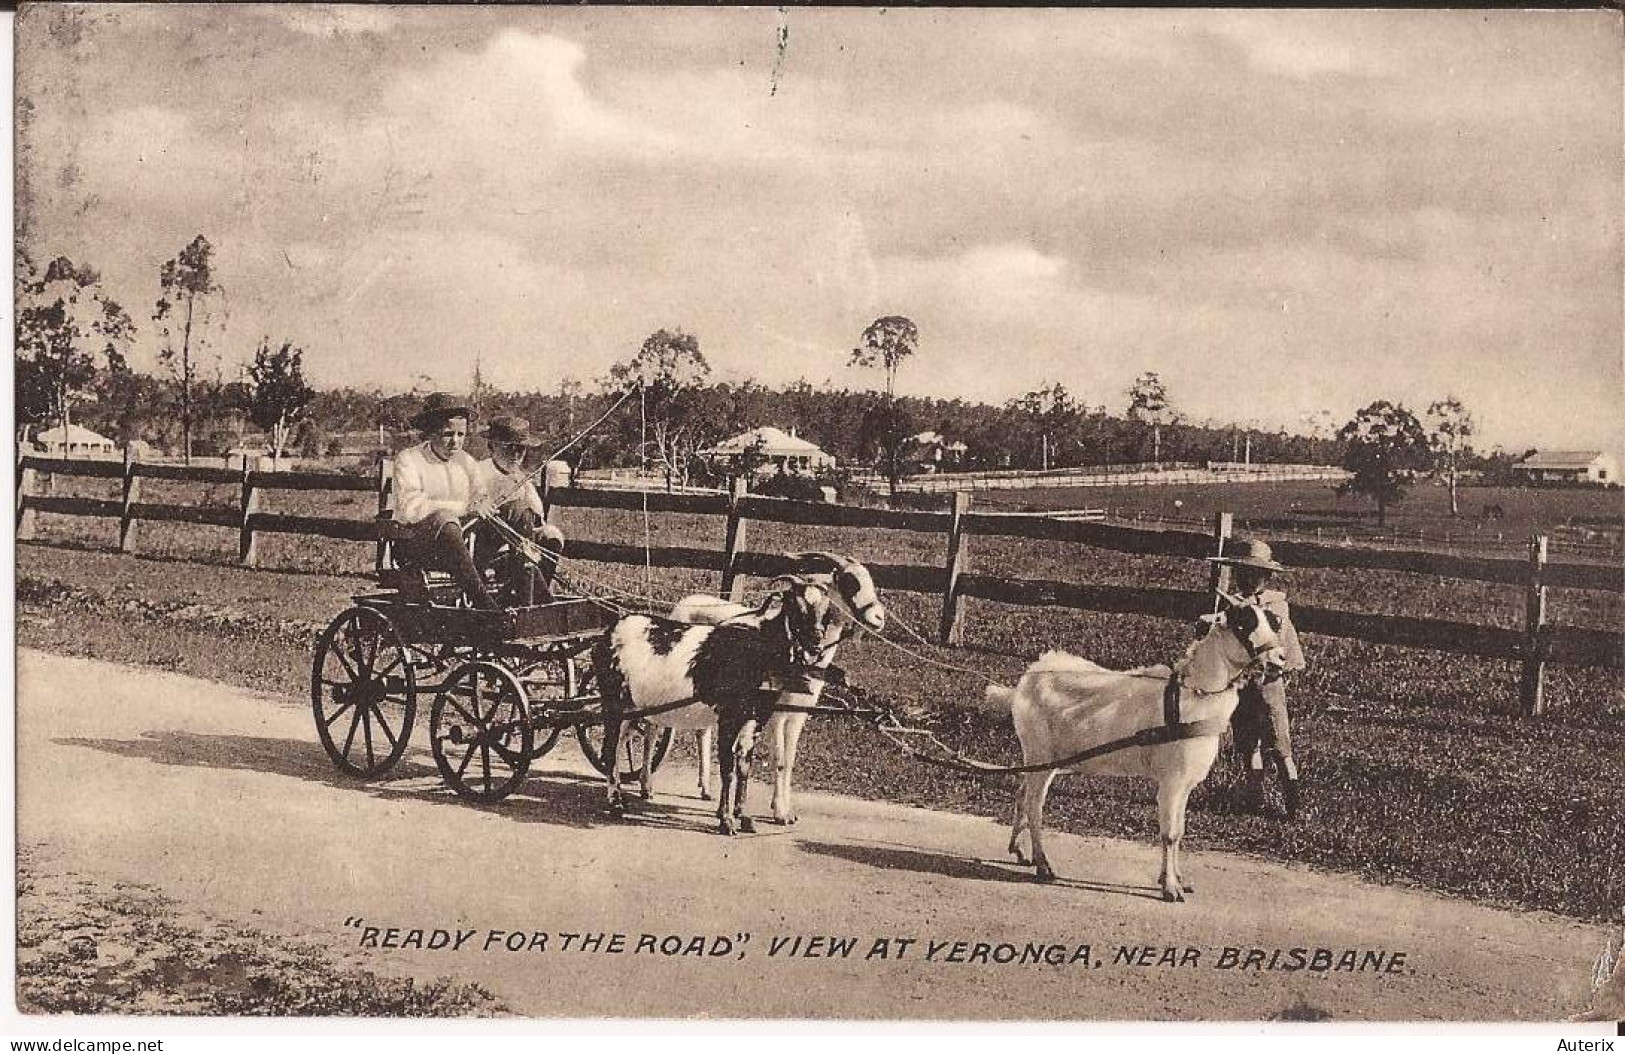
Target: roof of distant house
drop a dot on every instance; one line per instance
(935, 439)
(767, 440)
(1560, 459)
(76, 434)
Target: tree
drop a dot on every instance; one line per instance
(279, 394)
(1385, 444)
(66, 328)
(1148, 403)
(1053, 414)
(881, 429)
(569, 390)
(885, 343)
(187, 290)
(309, 440)
(479, 392)
(673, 373)
(1452, 428)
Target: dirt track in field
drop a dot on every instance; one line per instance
(223, 800)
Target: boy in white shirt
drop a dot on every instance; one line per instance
(435, 490)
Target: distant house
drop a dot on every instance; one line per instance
(772, 449)
(75, 440)
(1568, 466)
(932, 452)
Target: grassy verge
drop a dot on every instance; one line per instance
(1416, 770)
(88, 948)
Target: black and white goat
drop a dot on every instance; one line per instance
(860, 608)
(1064, 706)
(644, 662)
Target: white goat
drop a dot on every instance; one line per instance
(642, 662)
(1064, 705)
(854, 588)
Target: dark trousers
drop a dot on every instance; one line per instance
(521, 581)
(1261, 728)
(435, 543)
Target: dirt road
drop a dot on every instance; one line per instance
(225, 802)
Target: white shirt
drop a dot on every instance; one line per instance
(425, 483)
(499, 487)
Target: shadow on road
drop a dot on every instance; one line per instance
(903, 858)
(555, 797)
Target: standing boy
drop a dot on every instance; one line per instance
(1260, 723)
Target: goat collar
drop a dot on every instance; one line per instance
(1170, 701)
(803, 658)
(1176, 681)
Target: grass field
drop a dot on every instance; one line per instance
(1416, 769)
(1308, 508)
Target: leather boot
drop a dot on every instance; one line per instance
(1290, 797)
(1254, 797)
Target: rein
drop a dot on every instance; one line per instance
(1172, 730)
(530, 477)
(1240, 677)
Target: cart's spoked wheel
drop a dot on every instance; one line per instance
(363, 692)
(547, 682)
(591, 738)
(479, 732)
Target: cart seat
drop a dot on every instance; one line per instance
(423, 587)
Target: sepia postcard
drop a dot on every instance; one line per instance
(796, 514)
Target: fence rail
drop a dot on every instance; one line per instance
(1535, 644)
(1106, 476)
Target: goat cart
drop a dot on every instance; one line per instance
(505, 685)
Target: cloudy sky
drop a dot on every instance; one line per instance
(1280, 212)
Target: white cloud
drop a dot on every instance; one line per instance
(989, 280)
(512, 104)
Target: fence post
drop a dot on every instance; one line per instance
(246, 554)
(1219, 574)
(1532, 693)
(556, 474)
(733, 586)
(131, 495)
(26, 478)
(953, 623)
(381, 560)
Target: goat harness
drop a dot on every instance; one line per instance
(1171, 730)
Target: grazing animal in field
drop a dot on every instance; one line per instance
(643, 662)
(1064, 705)
(854, 590)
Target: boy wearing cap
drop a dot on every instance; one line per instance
(434, 486)
(1260, 722)
(505, 485)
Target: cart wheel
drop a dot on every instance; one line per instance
(363, 692)
(480, 733)
(546, 682)
(591, 738)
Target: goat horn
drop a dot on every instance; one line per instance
(795, 580)
(1231, 599)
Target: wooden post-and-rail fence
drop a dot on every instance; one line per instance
(1534, 645)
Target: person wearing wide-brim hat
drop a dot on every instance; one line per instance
(437, 409)
(1260, 723)
(435, 490)
(511, 491)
